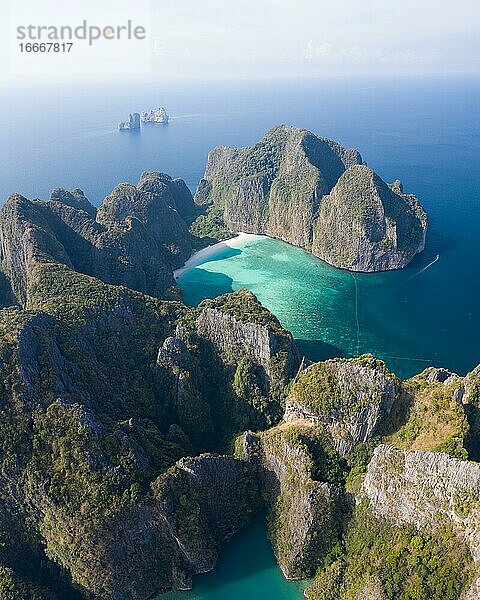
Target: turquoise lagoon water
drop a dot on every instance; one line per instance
(424, 132)
(246, 571)
(331, 312)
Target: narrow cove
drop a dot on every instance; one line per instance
(246, 569)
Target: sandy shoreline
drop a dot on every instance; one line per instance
(205, 253)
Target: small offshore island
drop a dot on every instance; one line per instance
(156, 115)
(138, 434)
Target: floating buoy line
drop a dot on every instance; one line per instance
(357, 320)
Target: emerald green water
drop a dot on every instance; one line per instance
(246, 570)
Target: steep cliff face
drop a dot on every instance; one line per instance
(365, 225)
(204, 501)
(238, 325)
(313, 193)
(469, 395)
(336, 413)
(349, 396)
(229, 369)
(424, 489)
(383, 560)
(135, 239)
(428, 490)
(124, 253)
(302, 498)
(112, 401)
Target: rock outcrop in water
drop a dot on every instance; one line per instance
(133, 123)
(366, 225)
(313, 193)
(156, 115)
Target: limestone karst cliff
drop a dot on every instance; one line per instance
(350, 397)
(296, 468)
(424, 489)
(236, 324)
(313, 193)
(136, 237)
(365, 225)
(429, 490)
(235, 355)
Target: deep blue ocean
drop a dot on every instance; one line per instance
(425, 132)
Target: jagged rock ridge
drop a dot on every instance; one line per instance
(137, 236)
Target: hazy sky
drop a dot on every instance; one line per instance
(253, 38)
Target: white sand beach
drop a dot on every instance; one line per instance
(205, 254)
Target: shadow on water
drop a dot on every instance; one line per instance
(438, 242)
(197, 285)
(317, 350)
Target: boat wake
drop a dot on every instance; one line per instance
(418, 273)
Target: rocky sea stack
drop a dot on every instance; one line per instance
(132, 124)
(156, 115)
(313, 193)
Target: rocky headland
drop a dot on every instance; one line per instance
(315, 194)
